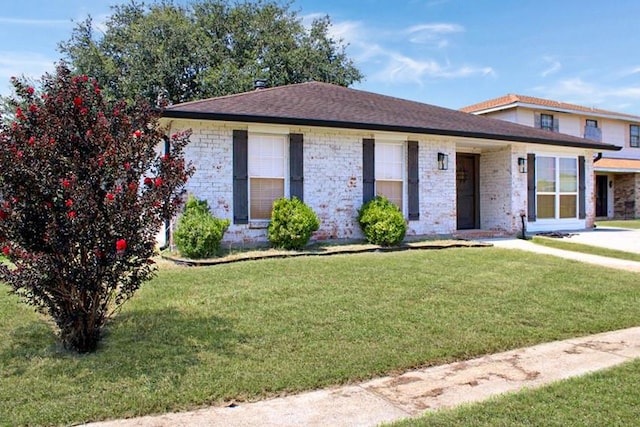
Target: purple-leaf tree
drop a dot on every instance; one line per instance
(84, 191)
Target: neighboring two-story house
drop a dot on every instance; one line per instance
(617, 173)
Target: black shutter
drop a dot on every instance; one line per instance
(413, 181)
(581, 189)
(240, 179)
(296, 170)
(531, 187)
(368, 170)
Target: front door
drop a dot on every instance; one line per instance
(602, 200)
(467, 191)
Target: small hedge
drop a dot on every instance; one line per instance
(382, 222)
(198, 233)
(292, 223)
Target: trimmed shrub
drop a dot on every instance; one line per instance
(292, 223)
(382, 222)
(198, 233)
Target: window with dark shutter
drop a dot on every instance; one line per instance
(413, 181)
(240, 182)
(582, 214)
(296, 169)
(368, 170)
(531, 187)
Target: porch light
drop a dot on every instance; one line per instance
(522, 165)
(443, 161)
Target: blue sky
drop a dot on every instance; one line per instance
(450, 53)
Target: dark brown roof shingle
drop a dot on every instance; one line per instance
(328, 105)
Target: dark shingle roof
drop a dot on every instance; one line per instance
(327, 105)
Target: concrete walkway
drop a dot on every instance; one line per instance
(527, 245)
(413, 393)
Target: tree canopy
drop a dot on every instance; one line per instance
(206, 48)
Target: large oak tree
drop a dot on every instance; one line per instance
(207, 48)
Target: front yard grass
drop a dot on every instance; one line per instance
(605, 398)
(585, 249)
(245, 331)
(622, 223)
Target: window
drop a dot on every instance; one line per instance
(266, 172)
(634, 135)
(591, 130)
(389, 171)
(546, 121)
(557, 187)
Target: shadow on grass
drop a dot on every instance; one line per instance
(150, 343)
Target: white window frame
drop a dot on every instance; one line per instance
(378, 157)
(253, 168)
(557, 193)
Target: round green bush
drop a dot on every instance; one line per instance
(382, 222)
(198, 233)
(292, 223)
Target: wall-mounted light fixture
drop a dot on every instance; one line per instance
(443, 161)
(522, 165)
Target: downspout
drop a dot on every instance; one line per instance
(167, 222)
(597, 157)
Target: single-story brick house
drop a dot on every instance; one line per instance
(336, 147)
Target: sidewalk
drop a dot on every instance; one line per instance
(411, 394)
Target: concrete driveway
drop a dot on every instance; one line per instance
(608, 237)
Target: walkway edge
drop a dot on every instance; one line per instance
(413, 393)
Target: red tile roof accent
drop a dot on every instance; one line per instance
(328, 105)
(606, 163)
(513, 99)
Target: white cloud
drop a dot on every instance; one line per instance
(554, 66)
(578, 91)
(372, 53)
(403, 69)
(36, 22)
(432, 34)
(18, 64)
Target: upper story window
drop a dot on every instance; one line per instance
(634, 135)
(591, 130)
(546, 121)
(267, 171)
(389, 171)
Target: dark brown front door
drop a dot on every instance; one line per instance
(602, 203)
(467, 191)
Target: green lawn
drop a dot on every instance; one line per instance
(197, 336)
(606, 398)
(586, 249)
(626, 223)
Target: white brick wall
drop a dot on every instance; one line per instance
(333, 181)
(503, 189)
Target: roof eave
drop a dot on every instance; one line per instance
(248, 118)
